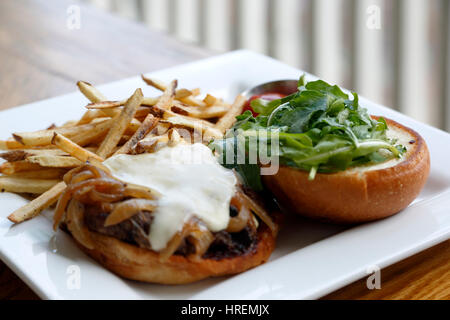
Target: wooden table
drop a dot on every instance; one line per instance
(40, 58)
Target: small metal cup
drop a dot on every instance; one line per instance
(286, 87)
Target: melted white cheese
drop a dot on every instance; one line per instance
(190, 181)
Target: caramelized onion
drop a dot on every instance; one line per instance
(174, 243)
(90, 184)
(240, 221)
(253, 222)
(60, 208)
(100, 197)
(82, 194)
(81, 176)
(75, 224)
(258, 210)
(106, 206)
(201, 238)
(196, 233)
(136, 191)
(127, 209)
(99, 169)
(69, 175)
(87, 178)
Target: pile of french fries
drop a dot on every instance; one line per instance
(37, 161)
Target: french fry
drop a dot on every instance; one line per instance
(98, 131)
(149, 144)
(210, 100)
(111, 112)
(101, 120)
(195, 92)
(45, 173)
(21, 185)
(145, 146)
(15, 155)
(91, 115)
(166, 99)
(229, 118)
(141, 113)
(45, 152)
(178, 119)
(162, 87)
(73, 149)
(55, 161)
(206, 128)
(18, 155)
(70, 123)
(36, 206)
(133, 126)
(149, 123)
(91, 149)
(90, 92)
(193, 102)
(174, 137)
(182, 93)
(146, 101)
(10, 145)
(150, 101)
(154, 83)
(161, 128)
(44, 137)
(120, 124)
(105, 104)
(95, 96)
(123, 139)
(37, 138)
(18, 166)
(200, 112)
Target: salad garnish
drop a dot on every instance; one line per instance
(319, 128)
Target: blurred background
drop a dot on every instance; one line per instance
(394, 52)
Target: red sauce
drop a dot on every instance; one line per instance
(266, 96)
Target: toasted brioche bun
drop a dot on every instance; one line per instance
(357, 194)
(135, 263)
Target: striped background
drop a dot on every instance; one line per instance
(404, 64)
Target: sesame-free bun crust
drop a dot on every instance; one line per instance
(358, 194)
(135, 263)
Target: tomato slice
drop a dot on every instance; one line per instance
(267, 96)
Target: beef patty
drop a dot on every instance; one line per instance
(136, 229)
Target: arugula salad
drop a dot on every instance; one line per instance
(319, 129)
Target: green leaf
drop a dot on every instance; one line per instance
(325, 88)
(264, 107)
(302, 81)
(319, 130)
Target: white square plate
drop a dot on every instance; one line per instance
(310, 260)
